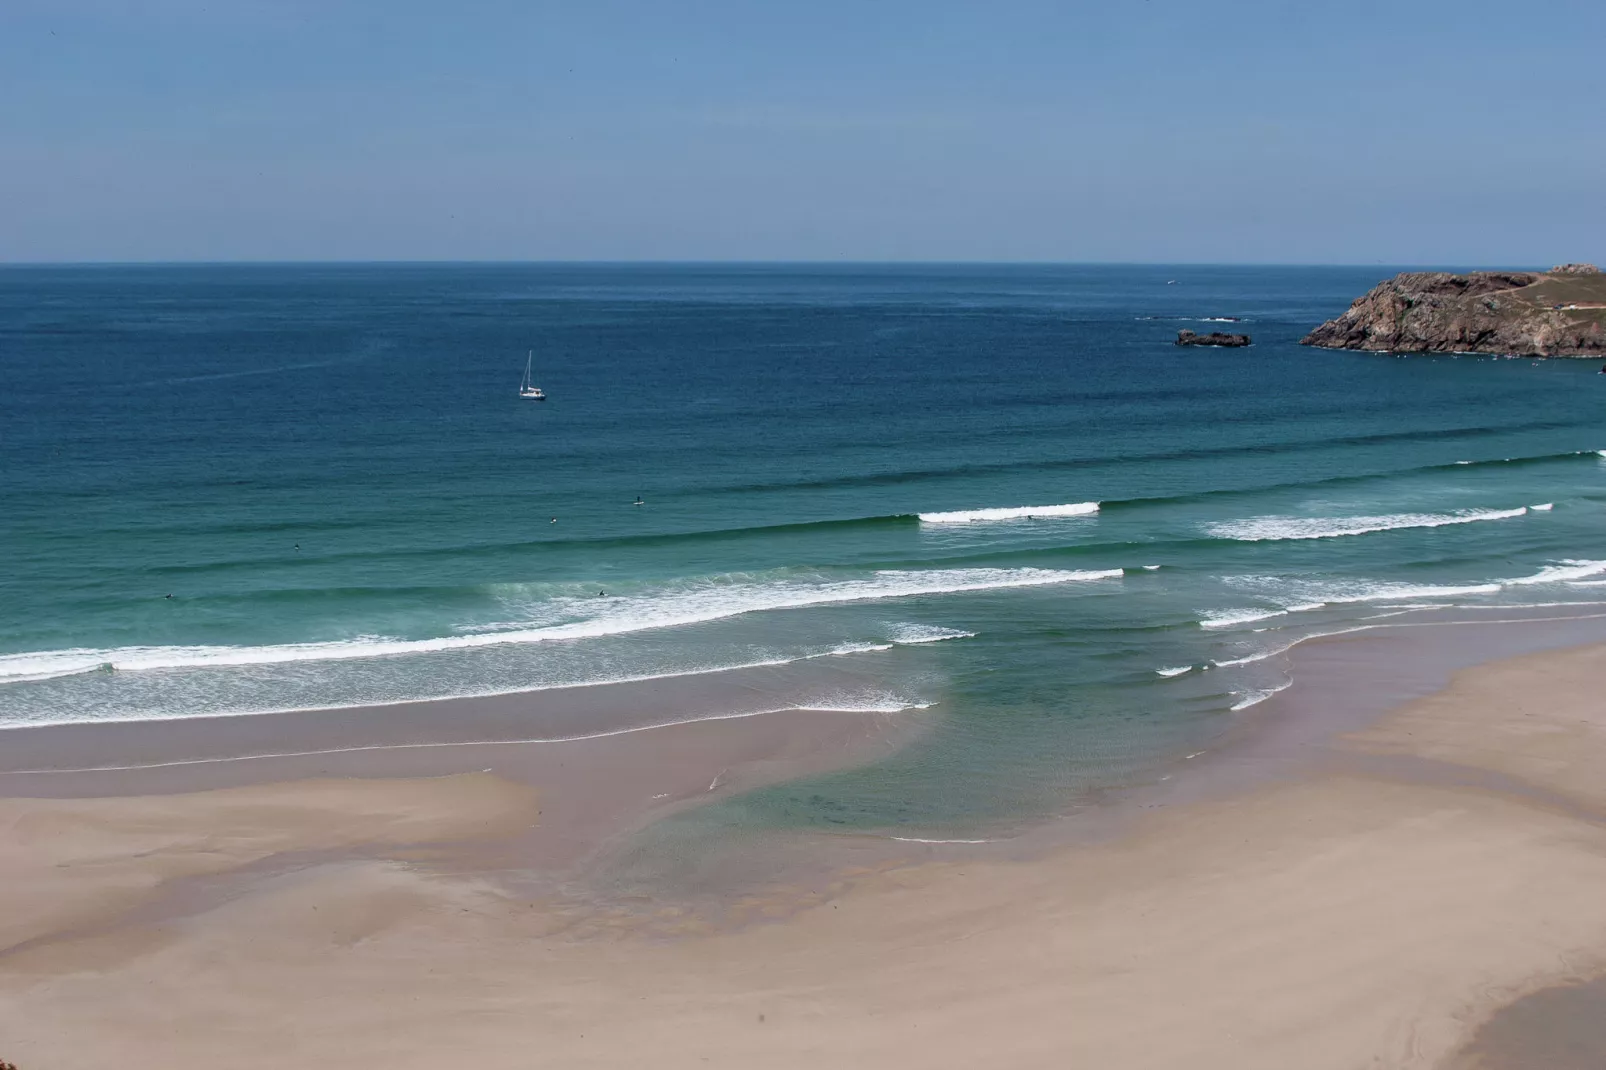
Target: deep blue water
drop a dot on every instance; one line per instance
(329, 470)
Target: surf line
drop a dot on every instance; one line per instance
(841, 651)
(1302, 640)
(463, 743)
(1017, 512)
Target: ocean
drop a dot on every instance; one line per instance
(993, 498)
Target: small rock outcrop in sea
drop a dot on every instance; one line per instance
(1214, 338)
(1556, 313)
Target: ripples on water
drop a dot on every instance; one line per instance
(330, 472)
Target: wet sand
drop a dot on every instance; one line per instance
(1559, 1028)
(1423, 890)
(604, 760)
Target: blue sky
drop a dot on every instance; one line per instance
(1413, 131)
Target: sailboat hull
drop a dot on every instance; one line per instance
(527, 388)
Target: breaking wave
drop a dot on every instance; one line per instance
(1019, 512)
(1272, 528)
(1232, 617)
(1247, 699)
(1567, 571)
(695, 603)
(915, 634)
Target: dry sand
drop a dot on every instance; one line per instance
(1378, 910)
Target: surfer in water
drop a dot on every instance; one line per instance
(638, 501)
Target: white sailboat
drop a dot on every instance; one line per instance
(528, 389)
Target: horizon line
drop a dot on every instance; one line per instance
(734, 262)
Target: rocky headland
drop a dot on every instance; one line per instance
(1214, 338)
(1555, 313)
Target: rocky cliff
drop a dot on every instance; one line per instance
(1556, 313)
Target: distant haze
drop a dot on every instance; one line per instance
(1130, 130)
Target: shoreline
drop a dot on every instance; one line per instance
(718, 734)
(1396, 860)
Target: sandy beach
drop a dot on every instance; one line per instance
(690, 537)
(1422, 891)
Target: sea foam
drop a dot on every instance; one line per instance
(1338, 592)
(915, 634)
(674, 606)
(1019, 512)
(1230, 617)
(1247, 699)
(1272, 528)
(889, 704)
(1567, 571)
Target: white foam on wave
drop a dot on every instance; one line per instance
(915, 634)
(841, 650)
(1260, 655)
(1367, 627)
(846, 648)
(1176, 671)
(1254, 698)
(889, 706)
(1272, 652)
(1544, 508)
(1272, 528)
(1323, 593)
(921, 839)
(1386, 591)
(49, 665)
(1227, 618)
(594, 617)
(1570, 570)
(1567, 571)
(1018, 512)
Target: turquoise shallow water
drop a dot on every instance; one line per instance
(329, 470)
